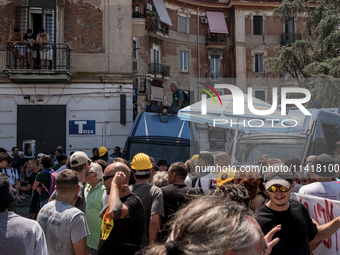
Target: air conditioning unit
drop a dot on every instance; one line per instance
(149, 97)
(149, 7)
(204, 20)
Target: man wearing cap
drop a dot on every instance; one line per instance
(104, 155)
(123, 219)
(177, 95)
(322, 170)
(297, 227)
(80, 163)
(18, 235)
(151, 196)
(162, 165)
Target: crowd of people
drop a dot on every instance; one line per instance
(106, 205)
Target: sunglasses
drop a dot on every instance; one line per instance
(105, 178)
(275, 188)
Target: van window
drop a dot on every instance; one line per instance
(170, 153)
(331, 133)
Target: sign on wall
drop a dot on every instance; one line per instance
(82, 127)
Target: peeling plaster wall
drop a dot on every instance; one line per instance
(83, 29)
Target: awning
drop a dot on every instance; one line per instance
(217, 23)
(162, 12)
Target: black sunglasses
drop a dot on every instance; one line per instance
(105, 178)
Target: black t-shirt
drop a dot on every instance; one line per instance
(126, 234)
(29, 38)
(31, 180)
(174, 195)
(297, 228)
(17, 162)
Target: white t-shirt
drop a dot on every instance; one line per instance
(63, 225)
(208, 183)
(328, 190)
(12, 175)
(22, 236)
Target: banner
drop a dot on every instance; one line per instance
(322, 210)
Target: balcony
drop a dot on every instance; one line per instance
(217, 41)
(139, 14)
(159, 71)
(289, 38)
(48, 63)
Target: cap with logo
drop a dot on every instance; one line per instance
(224, 176)
(6, 191)
(102, 150)
(161, 162)
(278, 174)
(78, 158)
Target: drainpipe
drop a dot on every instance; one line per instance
(198, 43)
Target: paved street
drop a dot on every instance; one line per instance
(23, 207)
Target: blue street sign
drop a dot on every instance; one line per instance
(82, 127)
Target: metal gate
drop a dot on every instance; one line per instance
(46, 124)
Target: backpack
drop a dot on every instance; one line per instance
(186, 98)
(52, 181)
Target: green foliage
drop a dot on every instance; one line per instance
(314, 60)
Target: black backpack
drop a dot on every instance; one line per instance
(186, 97)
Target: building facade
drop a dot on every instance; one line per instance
(111, 59)
(82, 97)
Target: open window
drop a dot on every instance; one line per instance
(37, 14)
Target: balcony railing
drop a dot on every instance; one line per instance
(288, 38)
(215, 38)
(139, 10)
(156, 68)
(51, 56)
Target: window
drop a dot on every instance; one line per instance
(259, 63)
(260, 94)
(134, 48)
(155, 66)
(183, 24)
(257, 25)
(289, 27)
(183, 61)
(215, 67)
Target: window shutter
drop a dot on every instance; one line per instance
(182, 24)
(257, 25)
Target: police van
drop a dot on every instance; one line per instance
(320, 131)
(160, 134)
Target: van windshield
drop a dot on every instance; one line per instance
(250, 150)
(170, 153)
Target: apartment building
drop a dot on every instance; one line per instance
(206, 40)
(82, 96)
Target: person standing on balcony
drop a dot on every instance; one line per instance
(177, 95)
(45, 51)
(29, 39)
(16, 39)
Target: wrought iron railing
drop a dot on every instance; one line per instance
(51, 56)
(216, 38)
(156, 68)
(287, 38)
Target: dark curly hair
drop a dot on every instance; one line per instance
(235, 192)
(250, 180)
